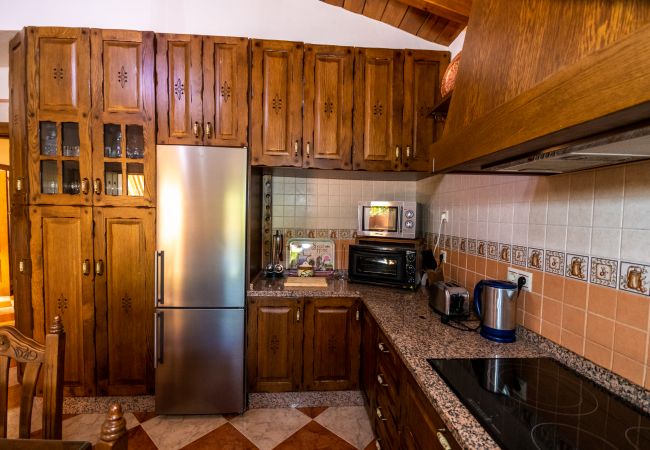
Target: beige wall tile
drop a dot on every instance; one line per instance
(630, 342)
(573, 320)
(636, 208)
(632, 309)
(600, 330)
(602, 301)
(628, 368)
(598, 354)
(575, 293)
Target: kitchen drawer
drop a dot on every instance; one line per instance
(386, 355)
(385, 427)
(387, 389)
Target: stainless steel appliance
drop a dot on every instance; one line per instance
(200, 279)
(449, 299)
(538, 403)
(496, 305)
(389, 219)
(275, 267)
(389, 266)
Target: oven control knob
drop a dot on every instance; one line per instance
(409, 224)
(409, 214)
(411, 280)
(410, 269)
(410, 257)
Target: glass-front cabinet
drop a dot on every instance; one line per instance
(123, 114)
(58, 117)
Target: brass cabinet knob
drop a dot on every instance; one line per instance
(380, 416)
(295, 149)
(408, 152)
(307, 149)
(85, 267)
(85, 186)
(443, 440)
(382, 348)
(208, 130)
(397, 153)
(380, 380)
(196, 129)
(97, 186)
(99, 267)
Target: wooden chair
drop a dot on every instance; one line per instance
(13, 344)
(113, 435)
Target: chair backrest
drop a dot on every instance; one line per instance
(15, 345)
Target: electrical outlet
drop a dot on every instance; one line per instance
(444, 216)
(443, 255)
(514, 274)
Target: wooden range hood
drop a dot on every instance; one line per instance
(542, 73)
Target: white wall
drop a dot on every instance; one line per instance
(301, 20)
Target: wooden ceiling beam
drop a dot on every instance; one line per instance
(454, 10)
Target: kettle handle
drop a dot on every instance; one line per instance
(477, 298)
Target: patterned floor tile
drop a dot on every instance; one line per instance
(87, 427)
(226, 437)
(174, 432)
(312, 411)
(267, 428)
(140, 440)
(314, 436)
(349, 422)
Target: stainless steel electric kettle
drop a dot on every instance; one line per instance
(496, 304)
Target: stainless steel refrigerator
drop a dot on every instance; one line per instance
(200, 279)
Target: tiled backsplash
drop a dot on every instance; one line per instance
(586, 238)
(329, 203)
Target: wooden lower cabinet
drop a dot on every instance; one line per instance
(303, 344)
(62, 284)
(124, 245)
(332, 336)
(401, 415)
(274, 356)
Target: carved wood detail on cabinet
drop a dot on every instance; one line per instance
(60, 246)
(276, 103)
(327, 122)
(124, 241)
(378, 84)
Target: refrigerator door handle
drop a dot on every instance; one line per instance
(159, 274)
(158, 331)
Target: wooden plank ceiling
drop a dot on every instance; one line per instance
(438, 21)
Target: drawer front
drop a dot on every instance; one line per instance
(385, 427)
(386, 389)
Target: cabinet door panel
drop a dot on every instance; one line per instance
(124, 246)
(276, 102)
(225, 89)
(123, 118)
(18, 120)
(58, 122)
(423, 71)
(327, 125)
(378, 109)
(274, 338)
(62, 256)
(179, 89)
(332, 344)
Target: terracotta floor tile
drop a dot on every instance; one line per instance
(372, 445)
(140, 440)
(312, 411)
(268, 427)
(144, 416)
(174, 432)
(226, 437)
(349, 422)
(314, 436)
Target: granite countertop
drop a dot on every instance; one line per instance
(417, 334)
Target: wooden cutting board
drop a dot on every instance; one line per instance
(319, 282)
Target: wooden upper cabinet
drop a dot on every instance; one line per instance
(124, 244)
(62, 284)
(327, 121)
(276, 103)
(225, 88)
(274, 355)
(18, 145)
(378, 83)
(423, 71)
(332, 339)
(179, 89)
(123, 128)
(57, 80)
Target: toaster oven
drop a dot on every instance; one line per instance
(384, 265)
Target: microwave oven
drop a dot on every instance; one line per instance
(389, 219)
(389, 266)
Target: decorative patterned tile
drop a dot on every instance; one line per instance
(454, 242)
(481, 248)
(447, 241)
(535, 258)
(349, 422)
(266, 428)
(504, 252)
(519, 255)
(492, 250)
(577, 267)
(463, 245)
(471, 246)
(633, 277)
(174, 432)
(554, 262)
(604, 271)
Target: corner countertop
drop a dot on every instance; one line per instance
(417, 334)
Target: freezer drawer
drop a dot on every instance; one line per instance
(200, 361)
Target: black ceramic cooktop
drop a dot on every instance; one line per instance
(537, 403)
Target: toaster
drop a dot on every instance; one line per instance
(449, 299)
